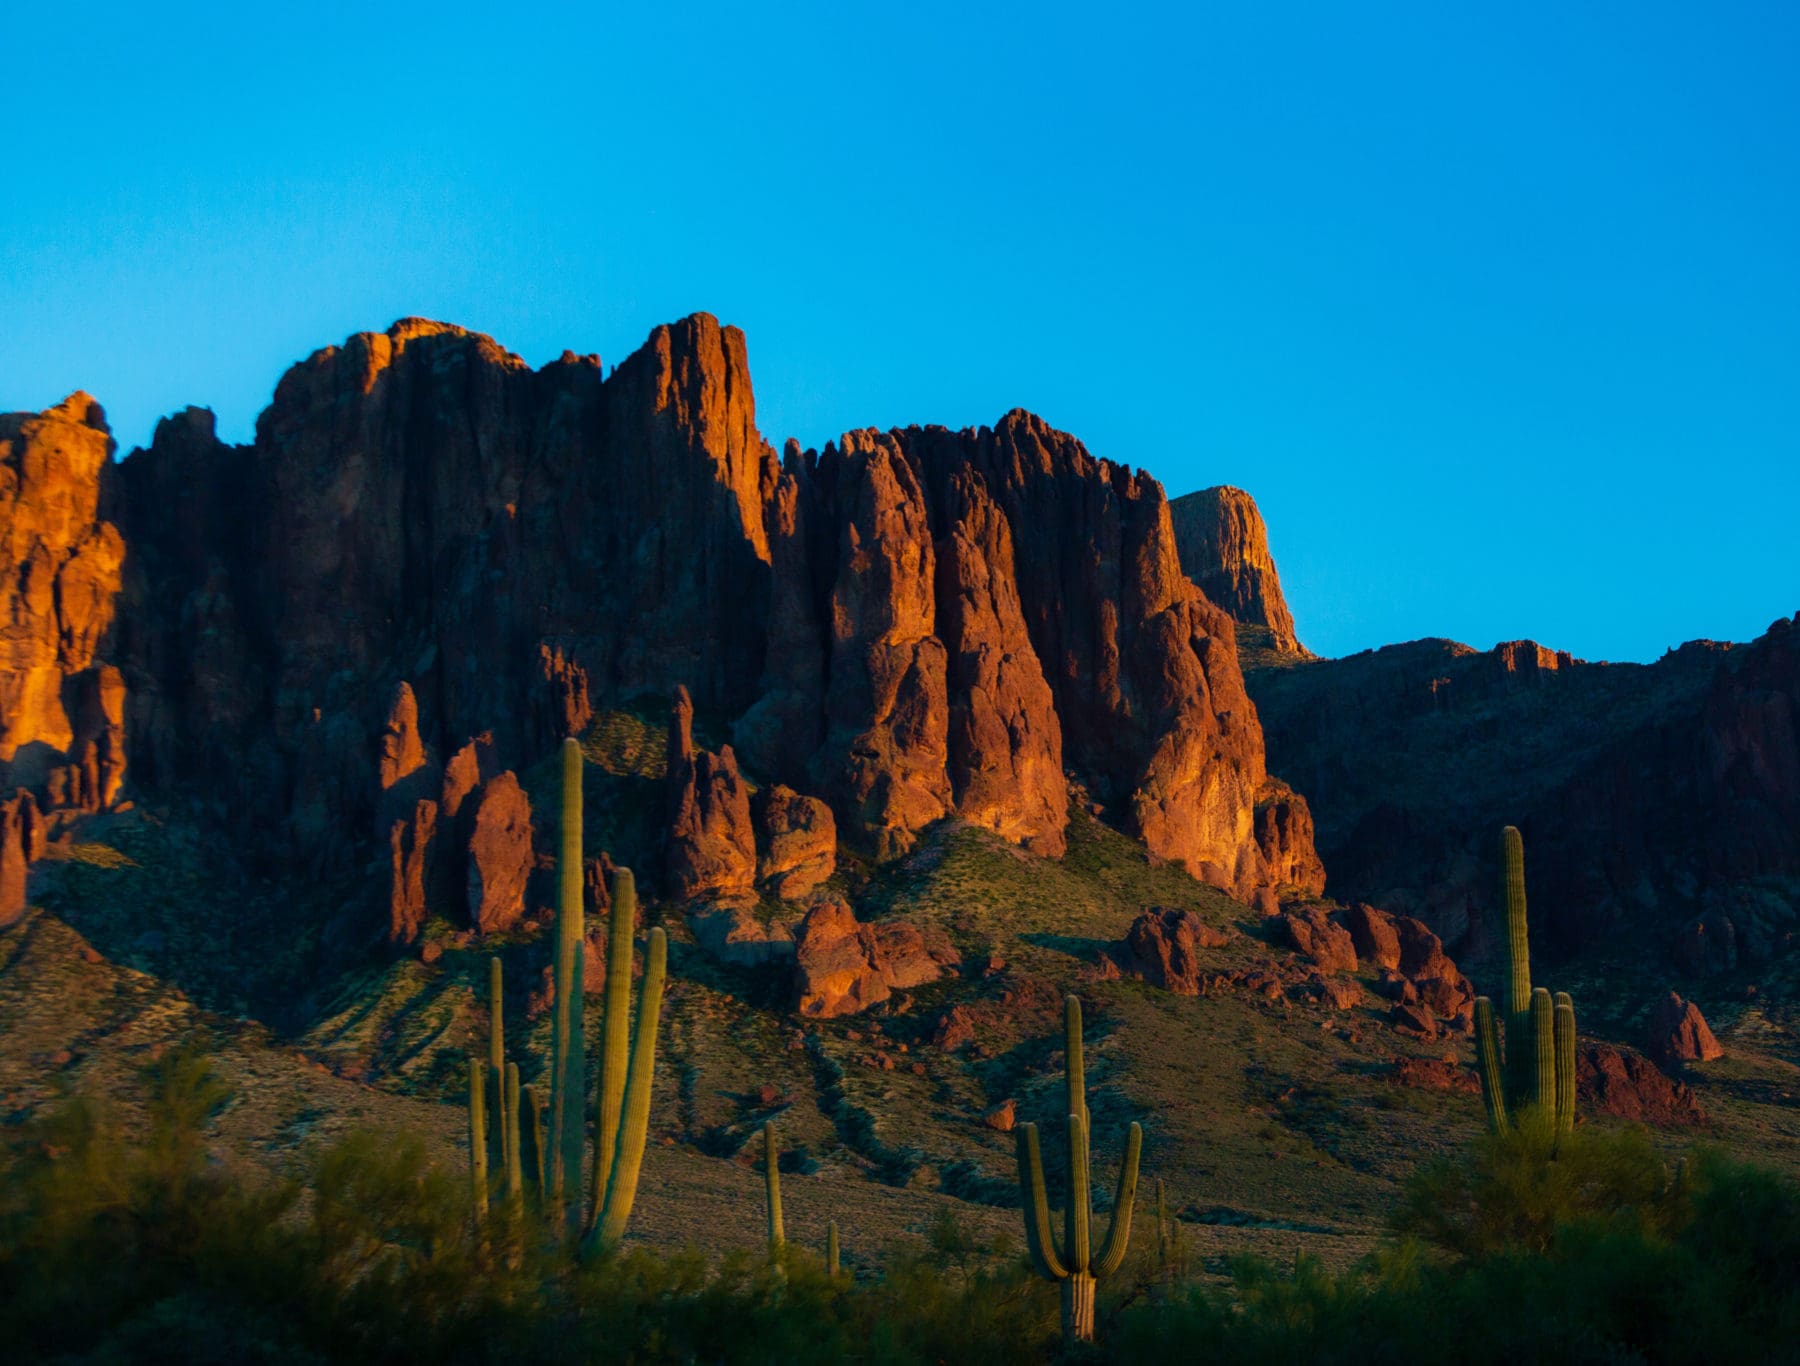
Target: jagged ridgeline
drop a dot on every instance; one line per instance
(1535, 1079)
(627, 1066)
(434, 562)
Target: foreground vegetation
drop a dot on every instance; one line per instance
(141, 1247)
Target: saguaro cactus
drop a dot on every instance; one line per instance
(627, 1069)
(478, 1139)
(1537, 1069)
(568, 1072)
(772, 1184)
(627, 1063)
(831, 1249)
(1072, 1265)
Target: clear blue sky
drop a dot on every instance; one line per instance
(1497, 315)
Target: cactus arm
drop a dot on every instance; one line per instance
(772, 1182)
(1487, 1060)
(533, 1124)
(515, 1173)
(1518, 947)
(1076, 1219)
(1075, 1068)
(1038, 1238)
(498, 1127)
(1118, 1230)
(569, 1064)
(615, 1038)
(831, 1249)
(1543, 1055)
(622, 1181)
(478, 1139)
(1565, 1063)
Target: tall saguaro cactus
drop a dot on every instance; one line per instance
(1073, 1264)
(772, 1185)
(627, 1065)
(1538, 1066)
(568, 1073)
(478, 1139)
(627, 1070)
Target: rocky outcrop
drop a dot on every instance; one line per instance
(499, 857)
(799, 843)
(1316, 936)
(1163, 947)
(1005, 742)
(429, 540)
(843, 966)
(1679, 1033)
(1373, 935)
(737, 935)
(61, 711)
(711, 841)
(21, 835)
(1625, 1084)
(1284, 837)
(1650, 796)
(1224, 549)
(409, 872)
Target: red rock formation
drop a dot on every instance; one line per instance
(799, 841)
(20, 833)
(1617, 1081)
(62, 563)
(402, 751)
(711, 848)
(886, 710)
(843, 967)
(1163, 945)
(915, 624)
(563, 707)
(409, 881)
(1005, 744)
(1284, 836)
(1224, 549)
(1372, 932)
(499, 857)
(1679, 1033)
(1316, 936)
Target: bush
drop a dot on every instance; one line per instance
(120, 1251)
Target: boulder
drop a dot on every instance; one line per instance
(711, 844)
(736, 934)
(1163, 946)
(843, 966)
(499, 858)
(1372, 932)
(1679, 1033)
(1316, 936)
(1618, 1081)
(799, 843)
(18, 820)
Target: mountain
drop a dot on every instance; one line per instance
(1224, 547)
(1660, 802)
(905, 739)
(908, 626)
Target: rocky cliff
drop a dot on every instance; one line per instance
(432, 549)
(1224, 548)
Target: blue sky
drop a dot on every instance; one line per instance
(1496, 314)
